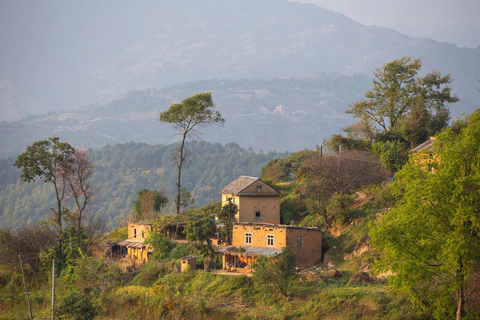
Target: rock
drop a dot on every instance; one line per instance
(361, 278)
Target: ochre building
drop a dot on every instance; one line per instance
(251, 240)
(134, 244)
(256, 200)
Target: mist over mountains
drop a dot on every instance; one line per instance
(61, 55)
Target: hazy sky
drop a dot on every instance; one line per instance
(456, 21)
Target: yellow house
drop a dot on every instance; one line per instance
(134, 244)
(256, 200)
(251, 240)
(425, 156)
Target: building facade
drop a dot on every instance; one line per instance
(256, 200)
(251, 240)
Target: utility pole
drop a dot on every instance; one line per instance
(53, 289)
(25, 286)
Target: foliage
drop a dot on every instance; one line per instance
(199, 231)
(226, 216)
(431, 240)
(161, 243)
(78, 306)
(149, 203)
(337, 207)
(74, 244)
(286, 169)
(47, 160)
(392, 154)
(276, 273)
(397, 89)
(187, 116)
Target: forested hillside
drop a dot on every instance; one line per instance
(124, 169)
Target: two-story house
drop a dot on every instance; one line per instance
(256, 200)
(134, 245)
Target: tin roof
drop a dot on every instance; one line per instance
(131, 244)
(251, 251)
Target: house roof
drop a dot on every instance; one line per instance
(427, 145)
(241, 183)
(131, 244)
(251, 251)
(272, 225)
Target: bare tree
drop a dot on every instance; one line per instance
(77, 176)
(342, 173)
(27, 241)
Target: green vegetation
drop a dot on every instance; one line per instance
(424, 229)
(123, 170)
(431, 240)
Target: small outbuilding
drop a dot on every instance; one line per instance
(186, 262)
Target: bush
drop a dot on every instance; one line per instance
(78, 306)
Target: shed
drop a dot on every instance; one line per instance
(188, 261)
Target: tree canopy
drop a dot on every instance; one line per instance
(187, 116)
(431, 240)
(397, 90)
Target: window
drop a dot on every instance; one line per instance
(258, 215)
(248, 238)
(143, 233)
(270, 240)
(299, 241)
(259, 188)
(233, 199)
(134, 233)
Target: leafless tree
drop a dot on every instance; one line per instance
(27, 241)
(342, 173)
(77, 176)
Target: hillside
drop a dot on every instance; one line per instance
(98, 57)
(277, 114)
(124, 169)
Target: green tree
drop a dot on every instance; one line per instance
(431, 240)
(276, 273)
(226, 216)
(161, 242)
(187, 117)
(397, 89)
(392, 154)
(199, 231)
(149, 204)
(48, 160)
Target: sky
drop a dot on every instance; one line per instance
(454, 21)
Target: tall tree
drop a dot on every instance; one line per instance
(48, 160)
(397, 89)
(187, 117)
(431, 240)
(78, 175)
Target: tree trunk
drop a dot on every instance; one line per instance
(180, 163)
(460, 301)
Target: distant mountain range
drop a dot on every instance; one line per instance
(68, 54)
